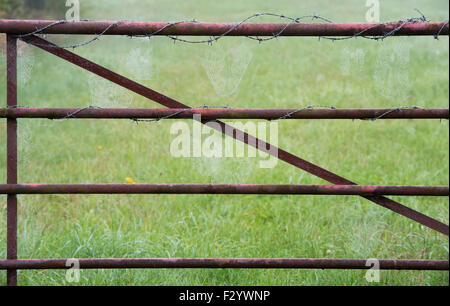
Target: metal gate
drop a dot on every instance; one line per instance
(28, 31)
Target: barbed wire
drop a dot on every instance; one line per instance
(422, 18)
(288, 115)
(400, 108)
(292, 20)
(71, 115)
(177, 113)
(441, 29)
(73, 46)
(275, 35)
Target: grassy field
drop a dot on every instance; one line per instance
(283, 73)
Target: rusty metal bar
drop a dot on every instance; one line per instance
(216, 29)
(11, 158)
(225, 263)
(365, 190)
(229, 113)
(103, 72)
(246, 138)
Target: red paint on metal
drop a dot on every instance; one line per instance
(216, 29)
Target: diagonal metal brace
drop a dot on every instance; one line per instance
(225, 128)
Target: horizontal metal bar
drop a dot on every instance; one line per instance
(229, 113)
(216, 29)
(366, 190)
(222, 263)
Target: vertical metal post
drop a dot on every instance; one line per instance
(11, 160)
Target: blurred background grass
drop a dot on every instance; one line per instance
(283, 73)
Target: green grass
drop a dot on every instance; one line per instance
(283, 73)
